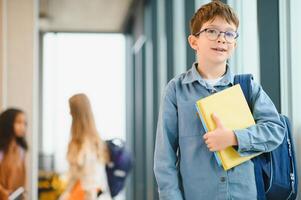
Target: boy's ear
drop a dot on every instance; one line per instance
(235, 44)
(193, 42)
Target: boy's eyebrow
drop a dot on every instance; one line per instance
(217, 27)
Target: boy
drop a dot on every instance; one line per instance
(184, 163)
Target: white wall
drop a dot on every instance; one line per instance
(19, 63)
(295, 6)
(290, 62)
(179, 39)
(290, 42)
(162, 47)
(246, 56)
(199, 3)
(1, 54)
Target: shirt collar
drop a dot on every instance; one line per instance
(193, 75)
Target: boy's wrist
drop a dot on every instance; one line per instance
(233, 139)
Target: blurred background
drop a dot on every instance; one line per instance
(122, 54)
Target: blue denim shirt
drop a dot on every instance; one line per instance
(183, 165)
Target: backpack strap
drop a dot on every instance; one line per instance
(291, 151)
(245, 83)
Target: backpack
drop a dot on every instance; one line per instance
(120, 165)
(275, 172)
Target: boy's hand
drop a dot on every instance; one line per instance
(220, 138)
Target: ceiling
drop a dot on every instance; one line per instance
(84, 15)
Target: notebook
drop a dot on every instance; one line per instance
(231, 107)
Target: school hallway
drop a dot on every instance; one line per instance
(122, 54)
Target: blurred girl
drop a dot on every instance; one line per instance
(12, 151)
(87, 154)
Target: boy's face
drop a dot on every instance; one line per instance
(211, 46)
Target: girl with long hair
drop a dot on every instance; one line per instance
(87, 153)
(13, 146)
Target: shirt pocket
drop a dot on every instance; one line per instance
(189, 123)
(242, 178)
(244, 171)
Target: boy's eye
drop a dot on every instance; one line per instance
(212, 31)
(230, 34)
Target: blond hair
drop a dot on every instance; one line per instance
(83, 129)
(209, 12)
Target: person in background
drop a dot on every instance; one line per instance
(13, 147)
(87, 154)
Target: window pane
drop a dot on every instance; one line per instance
(90, 63)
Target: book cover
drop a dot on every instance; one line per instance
(231, 107)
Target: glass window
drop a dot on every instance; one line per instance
(74, 63)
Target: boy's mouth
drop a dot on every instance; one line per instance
(219, 49)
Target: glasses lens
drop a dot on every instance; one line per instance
(230, 36)
(212, 34)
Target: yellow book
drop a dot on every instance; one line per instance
(232, 108)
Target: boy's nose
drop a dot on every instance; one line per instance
(221, 41)
(221, 38)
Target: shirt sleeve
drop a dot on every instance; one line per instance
(165, 158)
(268, 132)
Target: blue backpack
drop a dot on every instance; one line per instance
(275, 171)
(119, 167)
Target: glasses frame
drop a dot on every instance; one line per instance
(218, 35)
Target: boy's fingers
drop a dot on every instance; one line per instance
(207, 142)
(211, 148)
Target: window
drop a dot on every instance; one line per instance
(74, 63)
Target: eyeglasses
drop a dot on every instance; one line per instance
(212, 34)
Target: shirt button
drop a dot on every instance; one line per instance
(223, 179)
